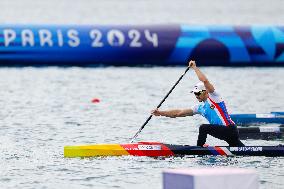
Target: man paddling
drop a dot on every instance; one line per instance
(212, 107)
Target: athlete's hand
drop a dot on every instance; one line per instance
(192, 64)
(155, 112)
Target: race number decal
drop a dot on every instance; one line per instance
(149, 147)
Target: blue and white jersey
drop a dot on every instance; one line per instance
(214, 110)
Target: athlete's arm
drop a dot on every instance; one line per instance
(173, 113)
(209, 87)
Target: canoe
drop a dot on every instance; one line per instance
(156, 149)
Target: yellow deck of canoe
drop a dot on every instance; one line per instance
(94, 150)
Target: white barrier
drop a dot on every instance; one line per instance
(210, 178)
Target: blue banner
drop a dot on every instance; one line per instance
(140, 45)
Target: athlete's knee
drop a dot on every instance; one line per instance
(203, 128)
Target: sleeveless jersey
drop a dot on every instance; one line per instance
(214, 110)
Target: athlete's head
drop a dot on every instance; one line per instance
(200, 92)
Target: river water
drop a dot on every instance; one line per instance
(44, 109)
(241, 12)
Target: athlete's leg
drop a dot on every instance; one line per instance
(227, 133)
(236, 142)
(230, 134)
(203, 130)
(234, 139)
(216, 131)
(219, 131)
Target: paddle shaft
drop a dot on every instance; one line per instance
(150, 117)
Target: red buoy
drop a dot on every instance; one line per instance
(95, 100)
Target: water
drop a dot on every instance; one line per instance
(241, 12)
(44, 109)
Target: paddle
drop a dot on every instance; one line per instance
(142, 127)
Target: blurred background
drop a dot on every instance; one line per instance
(240, 12)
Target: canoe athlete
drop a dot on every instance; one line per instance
(212, 107)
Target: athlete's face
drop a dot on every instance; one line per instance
(201, 96)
